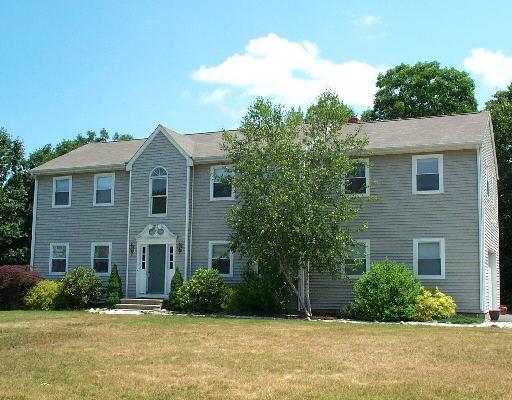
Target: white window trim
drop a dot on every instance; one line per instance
(232, 197)
(440, 172)
(367, 253)
(415, 257)
(109, 244)
(211, 243)
(96, 176)
(366, 163)
(61, 178)
(50, 272)
(150, 191)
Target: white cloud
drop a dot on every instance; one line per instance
(215, 96)
(292, 73)
(368, 20)
(494, 66)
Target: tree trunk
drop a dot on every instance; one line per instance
(300, 298)
(307, 305)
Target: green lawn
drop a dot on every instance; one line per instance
(76, 355)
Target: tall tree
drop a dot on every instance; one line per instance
(500, 107)
(421, 90)
(292, 212)
(14, 244)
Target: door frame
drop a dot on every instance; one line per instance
(154, 234)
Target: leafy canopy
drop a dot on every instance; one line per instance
(287, 174)
(421, 90)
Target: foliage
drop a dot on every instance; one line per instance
(462, 319)
(114, 288)
(176, 284)
(287, 170)
(204, 292)
(15, 281)
(14, 196)
(388, 292)
(421, 90)
(43, 296)
(80, 288)
(500, 107)
(433, 305)
(265, 293)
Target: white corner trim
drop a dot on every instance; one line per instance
(212, 243)
(150, 192)
(159, 129)
(61, 178)
(112, 189)
(367, 254)
(187, 221)
(51, 258)
(442, 254)
(128, 233)
(230, 198)
(109, 244)
(481, 225)
(440, 170)
(34, 222)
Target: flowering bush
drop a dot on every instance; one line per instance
(43, 296)
(433, 305)
(15, 281)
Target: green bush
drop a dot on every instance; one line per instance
(433, 305)
(114, 288)
(204, 292)
(80, 288)
(265, 293)
(43, 296)
(388, 292)
(176, 284)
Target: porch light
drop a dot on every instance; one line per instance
(132, 249)
(180, 247)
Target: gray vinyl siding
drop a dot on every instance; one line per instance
(209, 222)
(159, 153)
(490, 217)
(399, 216)
(82, 223)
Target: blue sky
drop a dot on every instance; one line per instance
(70, 66)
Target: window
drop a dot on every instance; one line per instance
(359, 182)
(219, 188)
(429, 258)
(220, 258)
(62, 192)
(59, 255)
(427, 173)
(171, 257)
(101, 254)
(158, 192)
(360, 260)
(104, 189)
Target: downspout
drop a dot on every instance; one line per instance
(128, 233)
(480, 229)
(191, 216)
(187, 217)
(34, 218)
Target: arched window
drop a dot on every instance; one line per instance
(158, 191)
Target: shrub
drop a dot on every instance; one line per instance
(388, 292)
(203, 292)
(114, 288)
(15, 281)
(81, 287)
(176, 284)
(433, 305)
(43, 296)
(265, 292)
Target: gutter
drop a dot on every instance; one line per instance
(89, 168)
(187, 218)
(34, 219)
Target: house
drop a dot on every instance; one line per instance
(152, 206)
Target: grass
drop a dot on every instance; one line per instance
(76, 355)
(463, 319)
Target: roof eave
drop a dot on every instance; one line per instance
(84, 169)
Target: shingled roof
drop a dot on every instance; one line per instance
(448, 132)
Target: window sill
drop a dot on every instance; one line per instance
(102, 204)
(222, 198)
(57, 273)
(57, 206)
(430, 277)
(428, 192)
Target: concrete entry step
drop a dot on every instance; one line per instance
(140, 304)
(156, 302)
